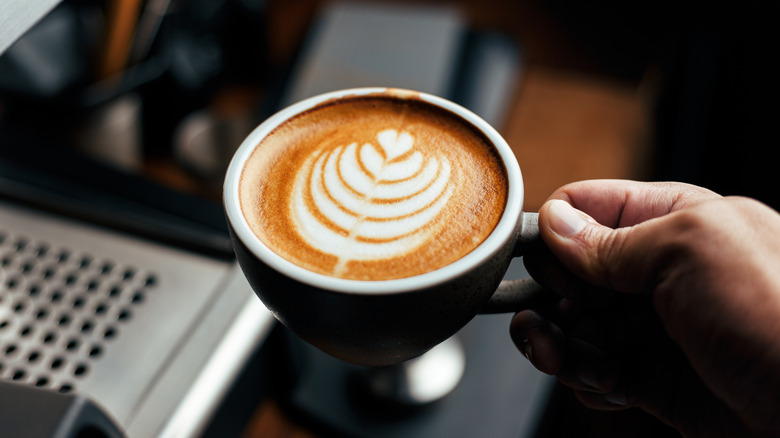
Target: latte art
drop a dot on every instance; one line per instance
(373, 188)
(367, 202)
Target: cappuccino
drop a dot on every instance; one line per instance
(373, 187)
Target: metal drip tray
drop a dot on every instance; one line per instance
(113, 317)
(62, 309)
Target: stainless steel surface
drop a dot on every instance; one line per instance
(17, 17)
(405, 46)
(419, 381)
(132, 324)
(222, 342)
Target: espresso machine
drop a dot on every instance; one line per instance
(146, 327)
(122, 309)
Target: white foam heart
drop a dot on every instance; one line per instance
(394, 143)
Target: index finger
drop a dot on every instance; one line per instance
(623, 203)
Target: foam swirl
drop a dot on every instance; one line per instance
(370, 202)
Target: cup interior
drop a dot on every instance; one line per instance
(505, 229)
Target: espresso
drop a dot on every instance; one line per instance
(373, 188)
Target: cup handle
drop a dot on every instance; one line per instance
(516, 295)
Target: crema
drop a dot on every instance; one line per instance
(373, 187)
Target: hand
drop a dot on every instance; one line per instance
(670, 302)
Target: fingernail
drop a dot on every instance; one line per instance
(588, 380)
(525, 348)
(564, 219)
(616, 399)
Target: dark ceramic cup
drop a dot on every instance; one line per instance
(389, 321)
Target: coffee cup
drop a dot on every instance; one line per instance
(378, 275)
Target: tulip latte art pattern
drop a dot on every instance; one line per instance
(370, 201)
(373, 188)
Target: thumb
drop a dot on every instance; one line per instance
(620, 259)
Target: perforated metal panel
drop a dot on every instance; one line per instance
(134, 325)
(61, 309)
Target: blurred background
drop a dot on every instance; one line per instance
(146, 101)
(666, 90)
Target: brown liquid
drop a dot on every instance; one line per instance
(373, 188)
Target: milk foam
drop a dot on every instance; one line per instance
(373, 188)
(371, 201)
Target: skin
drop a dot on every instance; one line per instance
(670, 302)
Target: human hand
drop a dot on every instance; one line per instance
(670, 302)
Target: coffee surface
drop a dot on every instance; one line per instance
(373, 188)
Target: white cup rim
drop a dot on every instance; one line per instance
(505, 229)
